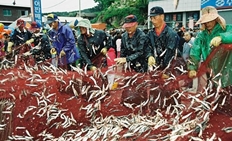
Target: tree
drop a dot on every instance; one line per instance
(104, 4)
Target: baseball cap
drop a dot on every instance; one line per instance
(130, 21)
(35, 26)
(51, 18)
(20, 23)
(154, 11)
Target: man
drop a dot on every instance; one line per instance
(133, 45)
(93, 44)
(3, 43)
(42, 46)
(162, 39)
(187, 45)
(21, 35)
(214, 32)
(63, 42)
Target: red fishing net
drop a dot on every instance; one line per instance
(42, 102)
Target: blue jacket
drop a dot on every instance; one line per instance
(63, 39)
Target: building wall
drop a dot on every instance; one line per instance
(15, 13)
(226, 14)
(190, 9)
(179, 16)
(184, 5)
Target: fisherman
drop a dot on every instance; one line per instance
(162, 39)
(94, 46)
(20, 36)
(41, 43)
(4, 43)
(214, 32)
(63, 42)
(133, 46)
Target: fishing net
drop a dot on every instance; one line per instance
(42, 102)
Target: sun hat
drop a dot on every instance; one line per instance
(86, 23)
(154, 11)
(51, 18)
(129, 21)
(210, 13)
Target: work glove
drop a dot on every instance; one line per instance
(104, 51)
(28, 42)
(164, 76)
(9, 47)
(120, 60)
(53, 51)
(151, 61)
(216, 41)
(192, 73)
(93, 68)
(3, 49)
(62, 53)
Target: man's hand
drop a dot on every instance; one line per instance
(216, 41)
(28, 42)
(53, 51)
(120, 60)
(192, 74)
(104, 51)
(151, 61)
(9, 47)
(62, 53)
(93, 68)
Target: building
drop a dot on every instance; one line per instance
(187, 12)
(10, 13)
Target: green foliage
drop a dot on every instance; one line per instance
(113, 12)
(104, 4)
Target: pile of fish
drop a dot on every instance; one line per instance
(48, 103)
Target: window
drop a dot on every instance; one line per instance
(7, 12)
(179, 17)
(194, 15)
(168, 17)
(24, 12)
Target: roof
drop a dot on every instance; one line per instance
(29, 19)
(11, 5)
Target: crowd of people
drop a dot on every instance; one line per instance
(133, 48)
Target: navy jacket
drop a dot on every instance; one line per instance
(91, 46)
(168, 40)
(134, 49)
(20, 37)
